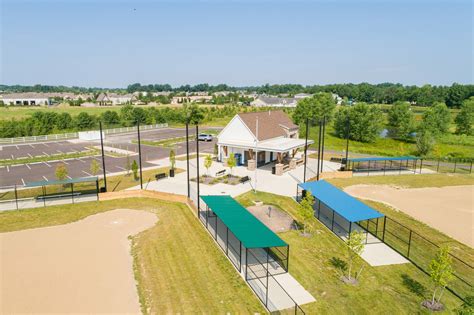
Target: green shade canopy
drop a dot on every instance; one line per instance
(61, 182)
(247, 228)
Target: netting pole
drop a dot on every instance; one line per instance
(140, 154)
(103, 155)
(197, 163)
(437, 169)
(384, 166)
(368, 169)
(455, 164)
(322, 146)
(227, 241)
(470, 168)
(268, 275)
(16, 198)
(305, 149)
(187, 158)
(97, 188)
(319, 150)
(44, 197)
(332, 223)
(421, 165)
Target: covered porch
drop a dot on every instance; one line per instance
(282, 154)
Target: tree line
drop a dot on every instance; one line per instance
(384, 93)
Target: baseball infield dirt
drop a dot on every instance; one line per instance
(81, 267)
(449, 209)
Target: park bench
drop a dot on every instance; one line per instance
(337, 160)
(221, 172)
(57, 196)
(244, 179)
(160, 176)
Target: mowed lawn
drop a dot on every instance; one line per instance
(394, 289)
(178, 267)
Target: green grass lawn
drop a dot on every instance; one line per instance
(178, 267)
(395, 289)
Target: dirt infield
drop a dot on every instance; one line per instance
(278, 221)
(81, 267)
(449, 209)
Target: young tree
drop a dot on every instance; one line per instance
(465, 118)
(84, 121)
(355, 247)
(425, 142)
(231, 162)
(61, 172)
(305, 210)
(208, 163)
(400, 120)
(366, 122)
(128, 164)
(441, 273)
(135, 169)
(436, 119)
(456, 94)
(95, 167)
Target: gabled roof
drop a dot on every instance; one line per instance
(271, 124)
(245, 226)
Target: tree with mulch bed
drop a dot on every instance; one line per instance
(306, 212)
(441, 273)
(355, 247)
(208, 163)
(231, 162)
(172, 162)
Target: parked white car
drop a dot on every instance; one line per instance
(204, 137)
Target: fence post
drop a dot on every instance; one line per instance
(455, 166)
(414, 168)
(437, 169)
(409, 245)
(16, 198)
(384, 227)
(421, 165)
(72, 193)
(470, 168)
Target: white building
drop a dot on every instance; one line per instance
(271, 101)
(270, 135)
(115, 99)
(300, 96)
(26, 99)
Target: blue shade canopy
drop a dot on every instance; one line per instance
(388, 158)
(245, 226)
(345, 205)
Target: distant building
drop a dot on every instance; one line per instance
(300, 96)
(271, 101)
(191, 99)
(337, 98)
(115, 99)
(26, 99)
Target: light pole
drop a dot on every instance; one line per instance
(348, 128)
(256, 153)
(305, 149)
(140, 154)
(187, 155)
(103, 156)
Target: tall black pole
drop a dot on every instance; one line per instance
(306, 149)
(103, 155)
(197, 163)
(187, 157)
(319, 149)
(140, 154)
(348, 129)
(322, 145)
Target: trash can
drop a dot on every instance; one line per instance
(273, 170)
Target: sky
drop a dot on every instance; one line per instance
(106, 43)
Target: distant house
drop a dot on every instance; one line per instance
(271, 101)
(270, 135)
(115, 99)
(300, 96)
(337, 98)
(191, 99)
(26, 99)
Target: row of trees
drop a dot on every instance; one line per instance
(48, 122)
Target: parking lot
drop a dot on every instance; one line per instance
(19, 174)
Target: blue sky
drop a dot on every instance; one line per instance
(107, 43)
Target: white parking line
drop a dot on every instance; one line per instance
(47, 164)
(45, 178)
(80, 160)
(23, 181)
(60, 151)
(119, 167)
(8, 169)
(65, 162)
(13, 157)
(87, 173)
(30, 155)
(31, 146)
(28, 166)
(69, 177)
(45, 153)
(46, 144)
(17, 147)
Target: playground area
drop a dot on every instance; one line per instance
(449, 209)
(83, 266)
